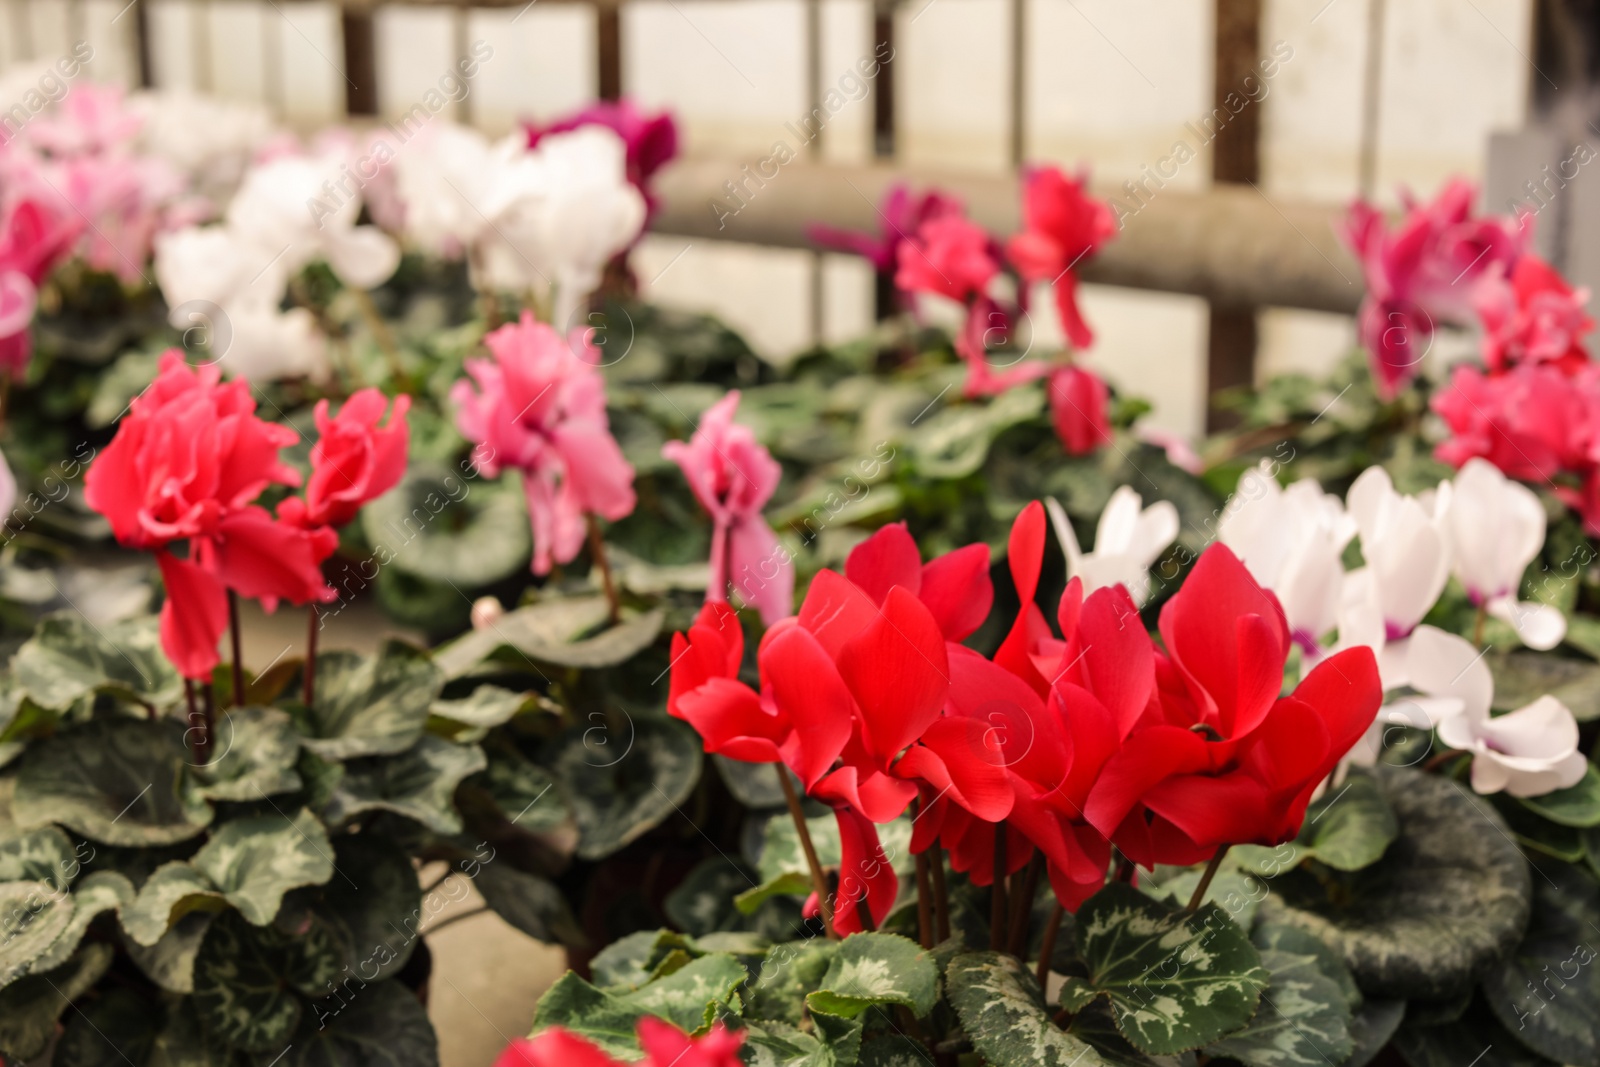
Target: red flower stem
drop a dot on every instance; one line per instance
(208, 692)
(1439, 759)
(818, 882)
(1047, 950)
(238, 657)
(864, 913)
(1125, 869)
(997, 895)
(194, 719)
(310, 671)
(924, 901)
(1205, 880)
(597, 548)
(1022, 908)
(941, 897)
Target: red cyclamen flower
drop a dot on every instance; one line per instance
(186, 464)
(540, 407)
(733, 476)
(1535, 317)
(664, 1046)
(1062, 225)
(354, 460)
(1079, 401)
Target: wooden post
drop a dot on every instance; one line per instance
(1235, 157)
(885, 300)
(360, 63)
(608, 43)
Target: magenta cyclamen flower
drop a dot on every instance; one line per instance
(733, 476)
(1424, 272)
(540, 408)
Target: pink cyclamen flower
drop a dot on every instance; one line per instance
(1533, 316)
(950, 255)
(902, 212)
(733, 476)
(1078, 405)
(1424, 272)
(33, 239)
(540, 407)
(354, 460)
(664, 1045)
(1062, 226)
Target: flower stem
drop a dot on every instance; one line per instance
(380, 333)
(1047, 950)
(597, 548)
(941, 896)
(864, 913)
(924, 901)
(194, 719)
(997, 894)
(1205, 880)
(209, 724)
(818, 882)
(1022, 908)
(238, 658)
(1477, 625)
(310, 671)
(1441, 758)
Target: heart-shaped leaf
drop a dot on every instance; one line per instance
(370, 705)
(619, 791)
(441, 525)
(255, 754)
(29, 1007)
(1578, 805)
(488, 705)
(69, 657)
(1002, 1010)
(689, 998)
(1175, 981)
(98, 893)
(169, 963)
(1450, 895)
(249, 980)
(1457, 1042)
(173, 891)
(254, 861)
(419, 784)
(532, 904)
(1547, 989)
(1304, 1019)
(1523, 676)
(789, 972)
(43, 855)
(774, 1044)
(32, 916)
(872, 969)
(382, 1025)
(116, 781)
(703, 901)
(375, 901)
(954, 441)
(568, 632)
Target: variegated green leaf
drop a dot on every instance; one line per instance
(248, 980)
(173, 891)
(553, 632)
(690, 998)
(370, 705)
(703, 901)
(419, 784)
(620, 787)
(98, 893)
(1478, 1033)
(524, 791)
(1175, 982)
(116, 781)
(871, 969)
(602, 1018)
(1450, 896)
(29, 1007)
(32, 916)
(892, 1050)
(43, 855)
(1304, 1019)
(254, 861)
(169, 963)
(183, 1042)
(772, 1044)
(1002, 1010)
(375, 900)
(69, 657)
(1372, 1027)
(1547, 989)
(487, 705)
(256, 750)
(1348, 829)
(436, 525)
(627, 963)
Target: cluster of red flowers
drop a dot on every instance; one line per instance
(1072, 739)
(186, 466)
(933, 247)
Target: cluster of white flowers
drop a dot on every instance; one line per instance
(1480, 526)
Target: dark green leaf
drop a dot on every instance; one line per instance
(256, 750)
(1476, 1036)
(1176, 982)
(532, 904)
(33, 915)
(29, 1007)
(1547, 990)
(68, 657)
(380, 1025)
(371, 705)
(703, 901)
(773, 1044)
(524, 791)
(488, 705)
(439, 525)
(112, 1030)
(1577, 805)
(375, 900)
(619, 791)
(1523, 676)
(169, 963)
(173, 891)
(872, 969)
(419, 784)
(43, 855)
(1304, 1019)
(93, 896)
(689, 998)
(248, 980)
(1347, 829)
(789, 972)
(116, 781)
(1372, 1027)
(1002, 1011)
(1450, 895)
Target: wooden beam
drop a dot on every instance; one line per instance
(360, 62)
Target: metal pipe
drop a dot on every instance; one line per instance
(1233, 246)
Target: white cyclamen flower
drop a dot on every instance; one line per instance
(1127, 540)
(443, 179)
(1291, 540)
(291, 207)
(1495, 527)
